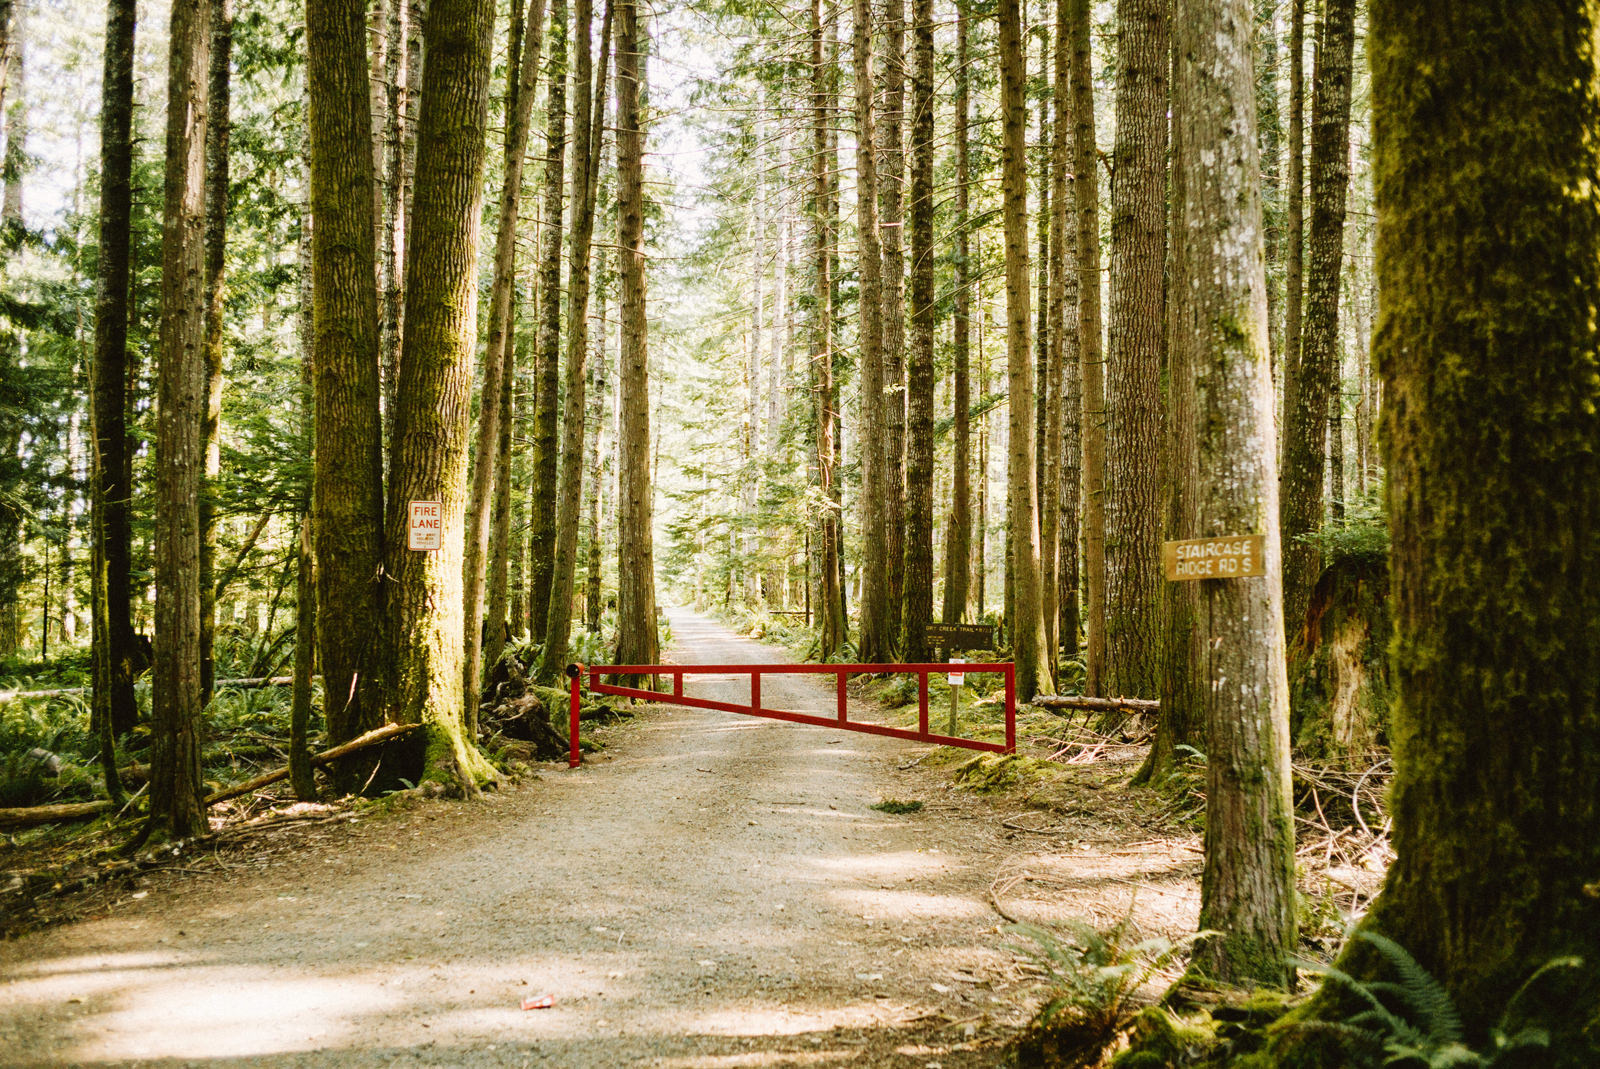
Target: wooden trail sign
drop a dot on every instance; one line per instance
(954, 637)
(1233, 557)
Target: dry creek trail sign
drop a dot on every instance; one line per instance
(1232, 557)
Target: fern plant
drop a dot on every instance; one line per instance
(1414, 1021)
(1095, 976)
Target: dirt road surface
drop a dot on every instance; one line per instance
(712, 891)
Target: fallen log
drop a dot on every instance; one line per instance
(1098, 705)
(360, 742)
(46, 814)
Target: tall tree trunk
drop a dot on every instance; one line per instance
(918, 599)
(428, 461)
(528, 33)
(587, 126)
(114, 703)
(404, 75)
(597, 420)
(13, 530)
(1091, 357)
(547, 350)
(1183, 661)
(1270, 127)
(1137, 353)
(891, 216)
(638, 641)
(1294, 226)
(875, 644)
(1064, 340)
(177, 795)
(958, 537)
(1247, 890)
(218, 128)
(1308, 393)
(301, 778)
(1488, 188)
(347, 496)
(1026, 621)
(1047, 396)
(497, 582)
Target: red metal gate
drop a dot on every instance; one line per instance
(840, 672)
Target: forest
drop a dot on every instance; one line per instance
(365, 364)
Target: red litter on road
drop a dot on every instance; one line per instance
(539, 1002)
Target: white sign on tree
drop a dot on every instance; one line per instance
(425, 529)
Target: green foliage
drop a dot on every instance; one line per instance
(1095, 976)
(1362, 536)
(891, 805)
(1415, 1022)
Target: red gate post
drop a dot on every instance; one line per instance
(574, 674)
(844, 707)
(1011, 708)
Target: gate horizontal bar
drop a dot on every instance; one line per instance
(840, 671)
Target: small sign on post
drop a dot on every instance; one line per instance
(1233, 557)
(424, 527)
(956, 679)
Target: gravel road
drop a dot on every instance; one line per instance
(713, 890)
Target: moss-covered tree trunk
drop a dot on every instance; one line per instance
(1247, 890)
(1136, 355)
(428, 461)
(1488, 193)
(917, 604)
(638, 641)
(177, 795)
(347, 495)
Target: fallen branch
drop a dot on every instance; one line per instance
(1098, 705)
(46, 814)
(250, 683)
(360, 742)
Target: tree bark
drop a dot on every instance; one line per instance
(597, 420)
(1488, 188)
(528, 33)
(13, 529)
(891, 220)
(1047, 395)
(875, 643)
(429, 454)
(218, 128)
(918, 599)
(587, 125)
(547, 349)
(1064, 342)
(1294, 227)
(638, 641)
(1137, 353)
(1247, 889)
(114, 703)
(1308, 394)
(1026, 619)
(347, 496)
(1091, 358)
(958, 537)
(177, 808)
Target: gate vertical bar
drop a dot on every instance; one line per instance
(844, 707)
(575, 673)
(922, 700)
(755, 690)
(1011, 708)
